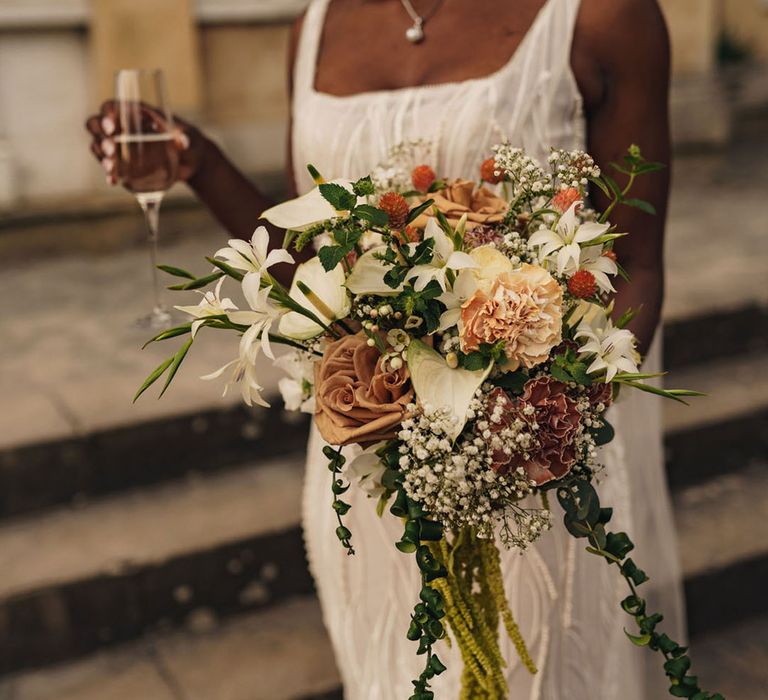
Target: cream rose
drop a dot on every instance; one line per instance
(357, 399)
(491, 263)
(524, 308)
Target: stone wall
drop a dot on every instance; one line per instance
(225, 60)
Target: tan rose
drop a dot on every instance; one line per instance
(358, 400)
(460, 197)
(524, 308)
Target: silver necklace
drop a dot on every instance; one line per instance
(415, 33)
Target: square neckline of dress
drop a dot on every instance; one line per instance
(426, 87)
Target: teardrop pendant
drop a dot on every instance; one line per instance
(415, 33)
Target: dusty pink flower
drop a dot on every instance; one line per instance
(523, 308)
(358, 399)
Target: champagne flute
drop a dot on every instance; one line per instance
(147, 159)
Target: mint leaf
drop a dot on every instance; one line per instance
(363, 187)
(340, 198)
(374, 215)
(330, 256)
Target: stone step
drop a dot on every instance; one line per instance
(79, 578)
(284, 654)
(723, 431)
(279, 654)
(153, 449)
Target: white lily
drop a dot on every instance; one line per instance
(367, 276)
(297, 388)
(253, 256)
(210, 305)
(593, 260)
(563, 245)
(331, 301)
(368, 468)
(463, 288)
(242, 372)
(262, 315)
(301, 212)
(444, 257)
(612, 349)
(441, 386)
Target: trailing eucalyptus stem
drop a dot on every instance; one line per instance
(336, 461)
(585, 518)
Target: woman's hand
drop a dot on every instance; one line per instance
(188, 140)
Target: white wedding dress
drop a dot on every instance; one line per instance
(566, 601)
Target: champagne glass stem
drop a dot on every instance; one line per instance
(150, 205)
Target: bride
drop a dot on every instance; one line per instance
(463, 75)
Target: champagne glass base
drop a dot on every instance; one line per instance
(159, 319)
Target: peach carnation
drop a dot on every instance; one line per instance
(357, 398)
(524, 308)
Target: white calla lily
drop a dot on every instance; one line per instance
(210, 305)
(253, 256)
(367, 276)
(441, 387)
(304, 211)
(562, 246)
(328, 288)
(444, 257)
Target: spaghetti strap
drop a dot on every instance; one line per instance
(309, 45)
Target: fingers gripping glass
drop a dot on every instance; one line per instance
(147, 159)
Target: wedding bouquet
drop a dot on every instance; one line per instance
(462, 336)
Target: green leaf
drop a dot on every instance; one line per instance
(340, 198)
(154, 376)
(604, 434)
(340, 507)
(511, 381)
(474, 361)
(633, 605)
(642, 640)
(406, 547)
(599, 182)
(178, 358)
(343, 533)
(619, 544)
(649, 167)
(436, 665)
(227, 269)
(677, 668)
(330, 256)
(176, 271)
(363, 187)
(631, 571)
(374, 215)
(640, 204)
(199, 283)
(418, 210)
(559, 373)
(613, 185)
(170, 333)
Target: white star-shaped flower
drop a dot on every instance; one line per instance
(444, 258)
(562, 246)
(253, 256)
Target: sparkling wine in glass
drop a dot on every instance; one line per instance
(147, 159)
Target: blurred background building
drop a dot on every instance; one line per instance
(153, 551)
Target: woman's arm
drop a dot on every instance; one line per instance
(621, 58)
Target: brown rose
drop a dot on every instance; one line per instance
(523, 308)
(460, 197)
(358, 400)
